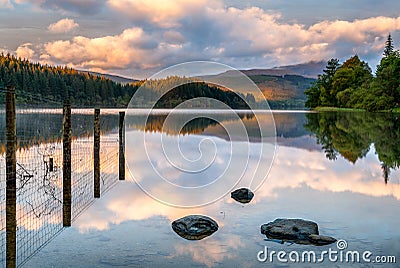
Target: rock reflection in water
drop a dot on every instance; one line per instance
(194, 227)
(242, 195)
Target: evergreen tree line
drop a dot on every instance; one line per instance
(33, 81)
(352, 85)
(202, 95)
(38, 84)
(176, 90)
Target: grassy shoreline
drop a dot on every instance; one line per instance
(337, 109)
(334, 109)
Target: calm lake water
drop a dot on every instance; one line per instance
(337, 169)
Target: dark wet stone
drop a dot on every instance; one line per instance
(321, 240)
(194, 227)
(297, 231)
(242, 195)
(289, 229)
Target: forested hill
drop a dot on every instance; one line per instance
(59, 83)
(34, 82)
(282, 91)
(115, 78)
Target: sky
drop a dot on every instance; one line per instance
(137, 38)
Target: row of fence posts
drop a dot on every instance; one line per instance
(11, 184)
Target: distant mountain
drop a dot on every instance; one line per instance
(310, 70)
(282, 86)
(115, 78)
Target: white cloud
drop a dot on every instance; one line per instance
(257, 32)
(166, 13)
(357, 30)
(6, 4)
(174, 37)
(25, 52)
(63, 26)
(129, 49)
(179, 31)
(77, 6)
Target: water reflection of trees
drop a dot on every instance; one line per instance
(287, 125)
(352, 134)
(41, 127)
(180, 124)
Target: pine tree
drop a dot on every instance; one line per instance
(389, 49)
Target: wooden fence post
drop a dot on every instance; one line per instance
(67, 128)
(11, 180)
(121, 146)
(96, 153)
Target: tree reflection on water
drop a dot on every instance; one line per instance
(352, 134)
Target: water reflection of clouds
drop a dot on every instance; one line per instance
(125, 203)
(293, 170)
(39, 190)
(211, 251)
(348, 201)
(160, 178)
(319, 173)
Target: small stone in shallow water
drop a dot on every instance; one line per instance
(194, 227)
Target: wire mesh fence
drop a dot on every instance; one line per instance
(109, 153)
(39, 171)
(38, 178)
(81, 160)
(2, 180)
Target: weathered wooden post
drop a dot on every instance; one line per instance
(121, 146)
(11, 180)
(67, 164)
(51, 164)
(96, 153)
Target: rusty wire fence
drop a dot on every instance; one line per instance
(45, 202)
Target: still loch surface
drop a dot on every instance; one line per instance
(337, 169)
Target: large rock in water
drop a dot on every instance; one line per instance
(242, 195)
(295, 230)
(194, 227)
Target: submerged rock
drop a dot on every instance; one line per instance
(298, 231)
(194, 227)
(242, 195)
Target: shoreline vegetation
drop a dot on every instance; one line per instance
(351, 86)
(338, 109)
